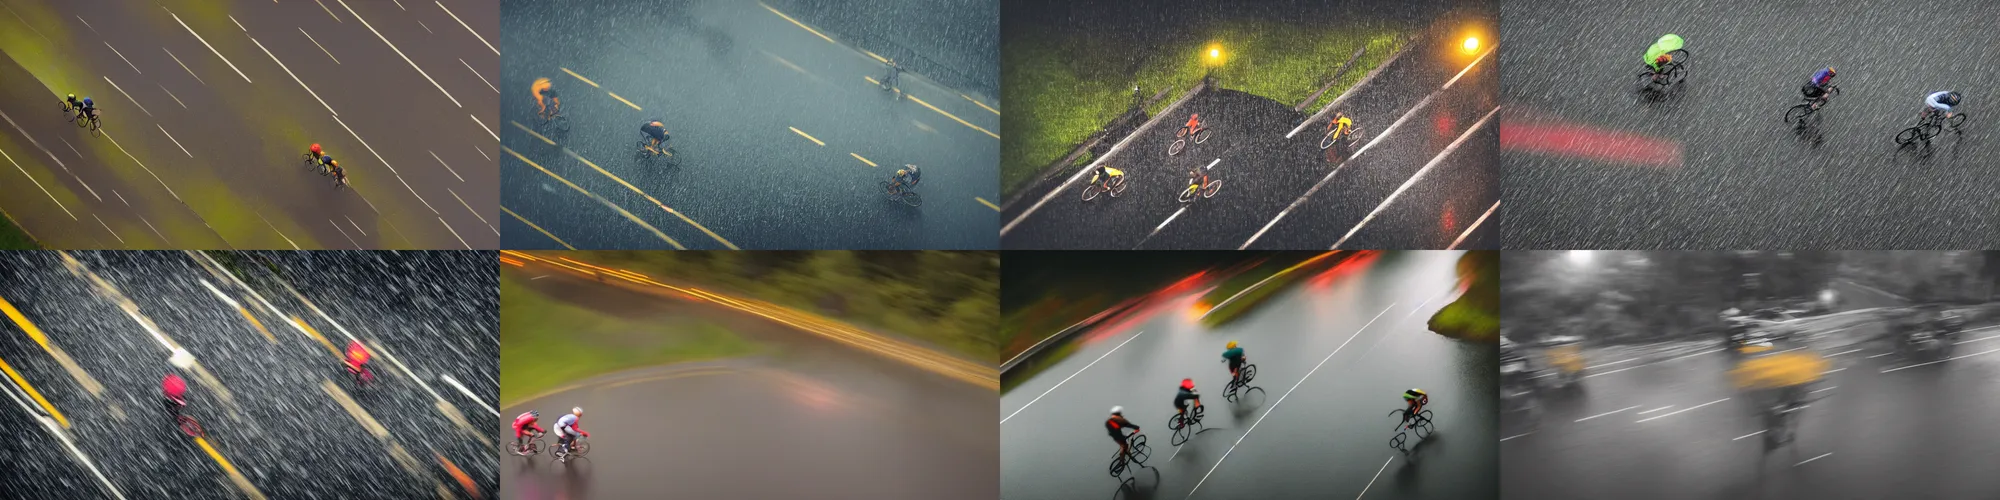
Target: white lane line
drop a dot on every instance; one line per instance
(343, 234)
(1656, 409)
(72, 149)
(475, 213)
(177, 142)
(55, 431)
(121, 55)
(1964, 342)
(468, 393)
(322, 5)
(211, 49)
(427, 28)
(482, 153)
(1065, 380)
(482, 78)
(1740, 438)
(357, 227)
(475, 34)
(1814, 458)
(1684, 410)
(1881, 355)
(489, 130)
(1607, 413)
(38, 184)
(1769, 354)
(454, 232)
(1614, 371)
(128, 97)
(1837, 370)
(295, 77)
(121, 198)
(1593, 367)
(399, 5)
(281, 234)
(1177, 213)
(447, 166)
(385, 163)
(1371, 481)
(322, 48)
(1935, 362)
(86, 24)
(233, 304)
(1843, 352)
(1474, 226)
(239, 24)
(177, 99)
(1419, 176)
(107, 228)
(399, 52)
(1817, 391)
(149, 171)
(156, 231)
(1504, 439)
(1281, 399)
(177, 60)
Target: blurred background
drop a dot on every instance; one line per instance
(830, 374)
(257, 343)
(1748, 374)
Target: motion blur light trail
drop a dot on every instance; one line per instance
(1578, 141)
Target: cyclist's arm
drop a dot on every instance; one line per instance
(1933, 101)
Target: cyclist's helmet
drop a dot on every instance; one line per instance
(578, 411)
(1829, 71)
(72, 97)
(1412, 394)
(535, 413)
(333, 164)
(1232, 345)
(1951, 99)
(315, 149)
(900, 173)
(1664, 58)
(86, 101)
(1117, 410)
(1187, 383)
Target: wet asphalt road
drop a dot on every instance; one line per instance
(1712, 165)
(279, 408)
(807, 419)
(1281, 193)
(1336, 351)
(1887, 428)
(201, 151)
(775, 128)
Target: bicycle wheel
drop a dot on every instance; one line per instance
(189, 426)
(1117, 186)
(1398, 440)
(912, 199)
(644, 153)
(582, 448)
(1209, 190)
(1141, 452)
(1423, 426)
(96, 126)
(1201, 136)
(1957, 120)
(1249, 372)
(1090, 192)
(1326, 141)
(1175, 422)
(1647, 81)
(1176, 147)
(1910, 136)
(1831, 91)
(1197, 413)
(1188, 194)
(1229, 391)
(1182, 434)
(1798, 112)
(1118, 466)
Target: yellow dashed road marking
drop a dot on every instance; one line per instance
(524, 128)
(800, 24)
(580, 77)
(258, 324)
(980, 104)
(808, 137)
(234, 475)
(32, 393)
(75, 370)
(988, 204)
(545, 232)
(316, 336)
(864, 160)
(614, 206)
(627, 103)
(951, 116)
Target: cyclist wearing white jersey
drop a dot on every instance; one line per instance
(567, 428)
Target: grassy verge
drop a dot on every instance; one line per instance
(13, 238)
(546, 343)
(1073, 94)
(1475, 316)
(1236, 309)
(1046, 317)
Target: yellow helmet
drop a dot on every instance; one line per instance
(902, 172)
(1232, 344)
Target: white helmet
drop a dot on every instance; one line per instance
(1117, 410)
(578, 411)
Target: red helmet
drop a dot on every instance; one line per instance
(173, 385)
(1187, 383)
(1664, 58)
(315, 148)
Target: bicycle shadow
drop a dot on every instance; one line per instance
(1129, 487)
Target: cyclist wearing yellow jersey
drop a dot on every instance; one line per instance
(1340, 126)
(1104, 174)
(547, 102)
(1415, 399)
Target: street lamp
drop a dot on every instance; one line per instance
(1471, 43)
(1581, 257)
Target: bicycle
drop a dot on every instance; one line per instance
(1929, 125)
(533, 446)
(1136, 452)
(553, 121)
(1242, 382)
(363, 377)
(1420, 425)
(186, 424)
(1799, 112)
(1184, 424)
(90, 122)
(1659, 81)
(648, 151)
(1200, 186)
(1199, 133)
(904, 195)
(892, 82)
(312, 163)
(580, 447)
(1114, 186)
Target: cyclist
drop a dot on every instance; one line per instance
(1116, 425)
(567, 430)
(657, 131)
(1938, 102)
(547, 102)
(1416, 399)
(1186, 393)
(1103, 174)
(357, 360)
(1234, 356)
(1340, 126)
(316, 152)
(901, 180)
(521, 426)
(910, 174)
(339, 175)
(1193, 123)
(71, 103)
(1658, 57)
(174, 388)
(89, 110)
(895, 77)
(1815, 89)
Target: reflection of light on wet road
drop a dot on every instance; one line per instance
(1589, 143)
